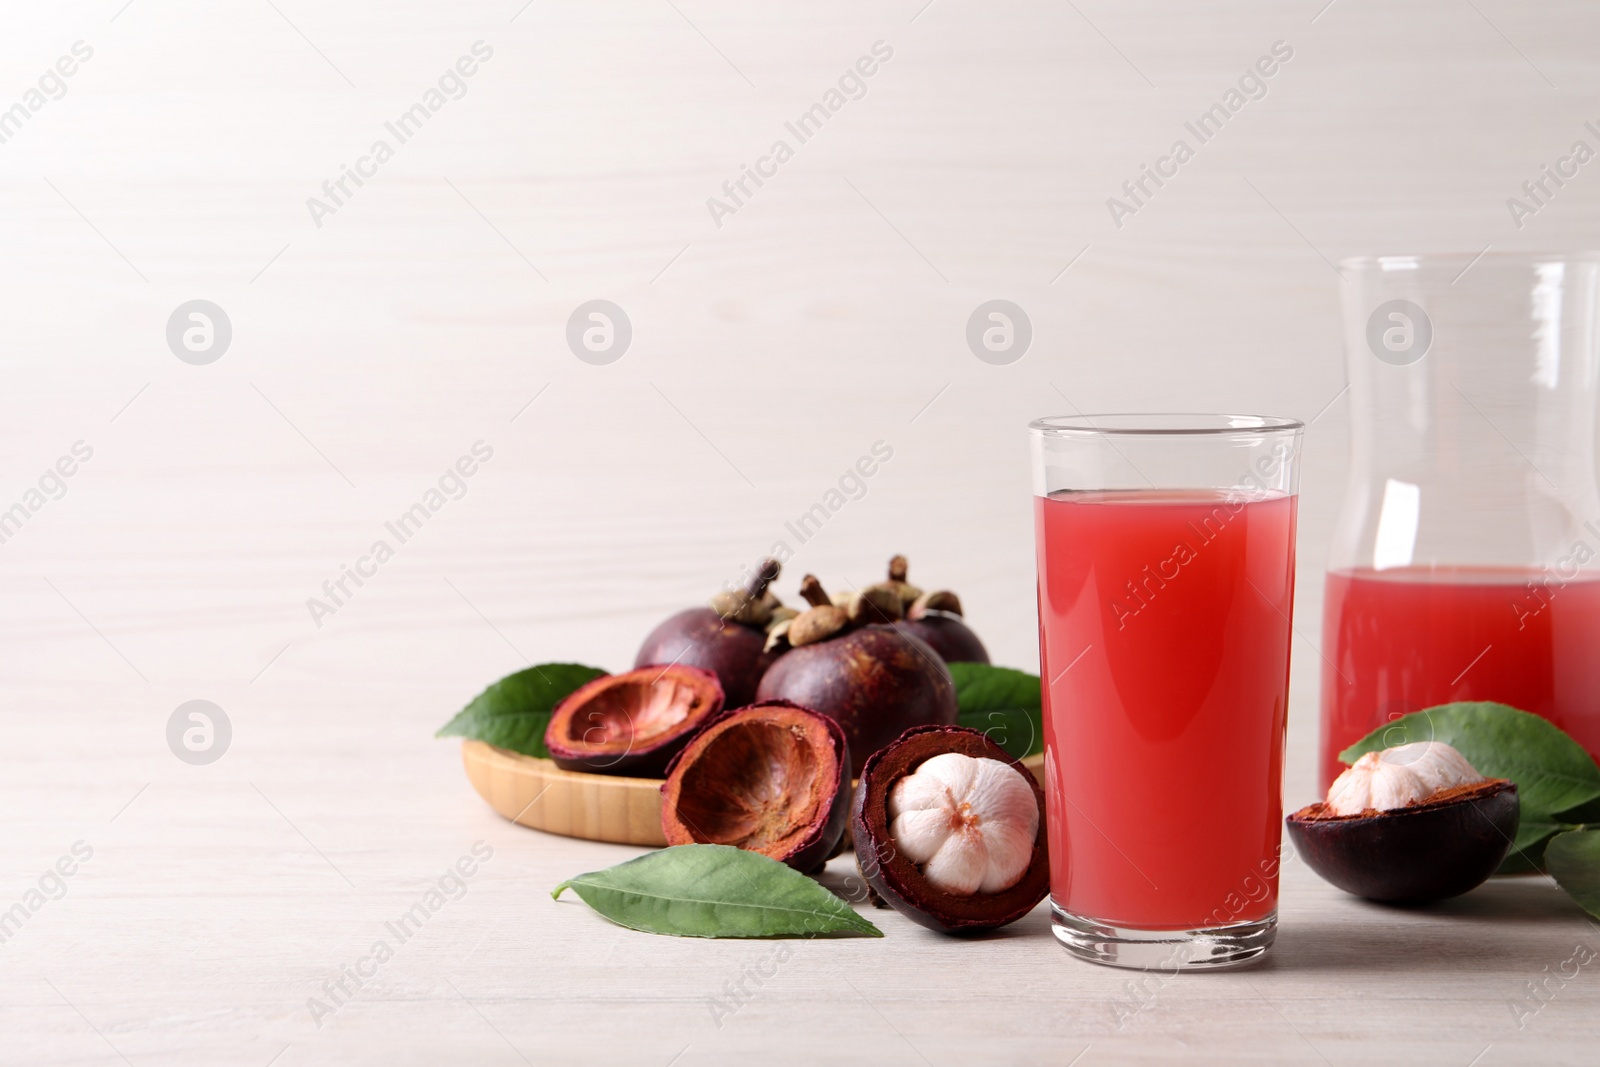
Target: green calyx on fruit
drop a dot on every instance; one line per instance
(812, 592)
(778, 629)
(822, 620)
(817, 624)
(914, 603)
(935, 617)
(897, 582)
(830, 616)
(778, 635)
(753, 605)
(875, 603)
(938, 600)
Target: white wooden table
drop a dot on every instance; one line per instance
(827, 313)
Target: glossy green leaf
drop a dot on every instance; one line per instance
(1589, 812)
(513, 712)
(1552, 771)
(715, 891)
(1574, 862)
(1004, 703)
(1527, 853)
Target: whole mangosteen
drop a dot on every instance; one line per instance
(728, 637)
(871, 679)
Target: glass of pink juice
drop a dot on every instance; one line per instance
(1166, 585)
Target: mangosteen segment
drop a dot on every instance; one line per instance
(771, 778)
(1399, 776)
(942, 866)
(1437, 848)
(632, 723)
(968, 822)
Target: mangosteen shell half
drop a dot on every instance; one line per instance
(898, 880)
(699, 637)
(1430, 851)
(632, 723)
(947, 634)
(874, 682)
(771, 778)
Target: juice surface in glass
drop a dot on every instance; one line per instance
(1408, 638)
(1164, 637)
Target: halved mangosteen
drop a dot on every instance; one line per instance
(632, 723)
(950, 830)
(1409, 824)
(772, 778)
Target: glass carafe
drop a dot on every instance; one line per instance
(1466, 562)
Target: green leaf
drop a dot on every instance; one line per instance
(1018, 732)
(1574, 862)
(1004, 703)
(1527, 853)
(513, 712)
(1552, 771)
(715, 891)
(981, 687)
(1589, 812)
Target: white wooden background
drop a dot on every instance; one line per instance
(768, 354)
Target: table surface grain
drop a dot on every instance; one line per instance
(772, 347)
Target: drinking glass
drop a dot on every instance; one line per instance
(1166, 584)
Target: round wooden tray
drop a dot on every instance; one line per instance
(599, 807)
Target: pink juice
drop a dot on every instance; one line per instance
(1408, 638)
(1164, 637)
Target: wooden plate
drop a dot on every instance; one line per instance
(599, 807)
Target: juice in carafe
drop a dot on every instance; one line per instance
(1407, 638)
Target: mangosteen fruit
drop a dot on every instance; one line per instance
(772, 778)
(950, 830)
(934, 617)
(632, 723)
(1409, 824)
(726, 637)
(873, 680)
